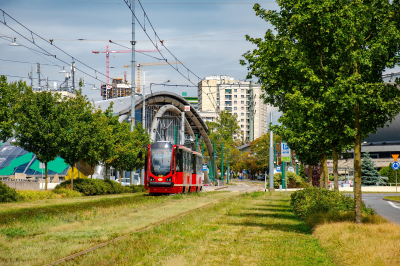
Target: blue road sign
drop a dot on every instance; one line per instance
(395, 166)
(278, 169)
(204, 167)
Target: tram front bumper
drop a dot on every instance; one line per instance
(161, 184)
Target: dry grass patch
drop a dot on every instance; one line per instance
(365, 244)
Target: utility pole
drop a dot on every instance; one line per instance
(227, 167)
(222, 162)
(31, 77)
(133, 88)
(251, 100)
(182, 128)
(38, 72)
(271, 160)
(73, 77)
(215, 165)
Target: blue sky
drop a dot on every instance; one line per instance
(207, 35)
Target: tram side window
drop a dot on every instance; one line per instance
(184, 162)
(199, 165)
(178, 160)
(194, 162)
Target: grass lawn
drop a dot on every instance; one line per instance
(251, 229)
(393, 198)
(42, 232)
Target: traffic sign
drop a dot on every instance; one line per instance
(278, 169)
(290, 169)
(285, 152)
(204, 167)
(395, 166)
(395, 156)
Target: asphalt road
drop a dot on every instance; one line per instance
(387, 209)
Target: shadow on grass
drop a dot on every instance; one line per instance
(287, 216)
(270, 209)
(299, 227)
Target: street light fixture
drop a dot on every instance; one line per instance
(14, 43)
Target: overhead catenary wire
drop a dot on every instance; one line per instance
(47, 53)
(129, 4)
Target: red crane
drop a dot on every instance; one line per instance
(107, 52)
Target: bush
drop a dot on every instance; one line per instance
(295, 181)
(311, 201)
(134, 189)
(32, 195)
(7, 194)
(67, 193)
(90, 187)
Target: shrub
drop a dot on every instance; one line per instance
(89, 187)
(7, 194)
(295, 181)
(312, 201)
(32, 195)
(67, 193)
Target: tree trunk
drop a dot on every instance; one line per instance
(105, 178)
(357, 166)
(72, 178)
(130, 178)
(325, 169)
(335, 167)
(310, 173)
(119, 175)
(45, 176)
(322, 172)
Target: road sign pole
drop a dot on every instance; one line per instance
(395, 174)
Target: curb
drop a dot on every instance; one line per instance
(221, 188)
(397, 201)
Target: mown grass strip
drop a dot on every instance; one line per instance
(254, 229)
(393, 198)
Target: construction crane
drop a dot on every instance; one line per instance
(107, 52)
(150, 64)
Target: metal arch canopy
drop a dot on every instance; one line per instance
(193, 118)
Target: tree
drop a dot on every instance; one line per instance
(9, 94)
(128, 146)
(391, 176)
(38, 128)
(369, 173)
(75, 138)
(302, 172)
(330, 54)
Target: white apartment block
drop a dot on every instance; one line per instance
(217, 93)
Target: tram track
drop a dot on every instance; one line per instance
(147, 227)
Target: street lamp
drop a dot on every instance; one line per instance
(14, 43)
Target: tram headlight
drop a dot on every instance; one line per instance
(152, 179)
(168, 179)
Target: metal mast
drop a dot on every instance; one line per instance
(133, 89)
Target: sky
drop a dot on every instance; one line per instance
(207, 35)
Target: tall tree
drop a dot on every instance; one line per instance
(10, 93)
(38, 127)
(331, 54)
(76, 118)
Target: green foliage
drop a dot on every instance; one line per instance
(295, 181)
(302, 172)
(385, 170)
(369, 173)
(10, 94)
(89, 187)
(135, 188)
(67, 193)
(391, 176)
(13, 232)
(32, 195)
(7, 194)
(314, 200)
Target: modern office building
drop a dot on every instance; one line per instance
(241, 98)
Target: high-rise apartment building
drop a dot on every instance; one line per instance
(242, 98)
(117, 89)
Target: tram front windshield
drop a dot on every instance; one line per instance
(161, 155)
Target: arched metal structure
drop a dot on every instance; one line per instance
(163, 110)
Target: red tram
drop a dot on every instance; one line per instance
(172, 169)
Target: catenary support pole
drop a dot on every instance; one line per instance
(182, 128)
(222, 162)
(227, 166)
(271, 160)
